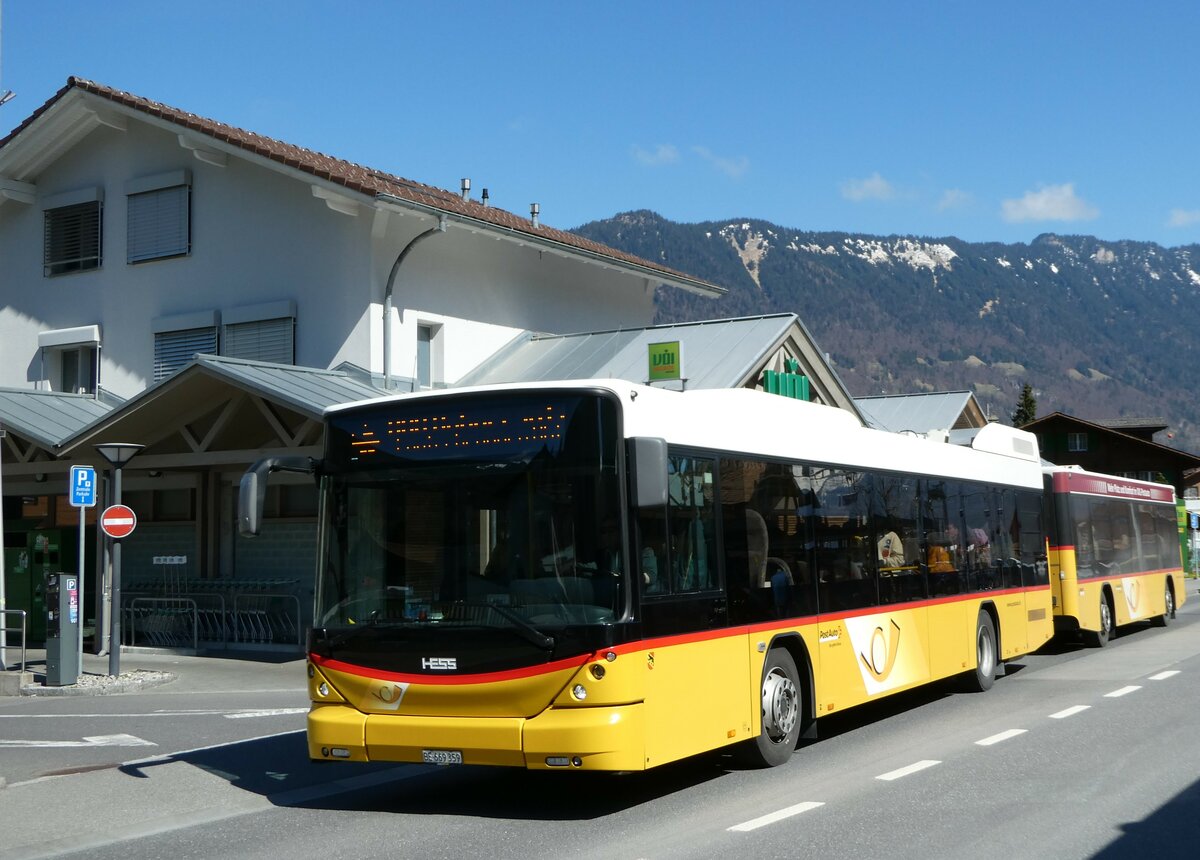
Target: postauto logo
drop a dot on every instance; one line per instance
(888, 655)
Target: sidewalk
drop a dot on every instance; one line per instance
(143, 669)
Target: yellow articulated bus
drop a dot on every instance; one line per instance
(600, 575)
(1114, 552)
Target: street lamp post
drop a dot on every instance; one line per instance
(118, 454)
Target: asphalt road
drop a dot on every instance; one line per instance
(1075, 753)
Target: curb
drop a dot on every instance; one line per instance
(103, 685)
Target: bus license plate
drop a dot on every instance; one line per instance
(441, 756)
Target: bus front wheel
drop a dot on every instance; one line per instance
(780, 711)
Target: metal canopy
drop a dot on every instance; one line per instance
(716, 354)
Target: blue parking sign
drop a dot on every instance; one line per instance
(83, 487)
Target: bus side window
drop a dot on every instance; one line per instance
(652, 551)
(692, 526)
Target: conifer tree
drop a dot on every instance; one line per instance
(1026, 407)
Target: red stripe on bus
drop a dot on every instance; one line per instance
(479, 678)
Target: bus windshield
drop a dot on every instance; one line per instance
(494, 511)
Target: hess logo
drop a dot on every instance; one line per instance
(881, 651)
(439, 664)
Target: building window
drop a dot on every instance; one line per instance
(272, 340)
(72, 238)
(70, 359)
(159, 216)
(174, 349)
(77, 370)
(1077, 442)
(429, 355)
(425, 356)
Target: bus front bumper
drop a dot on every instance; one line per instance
(601, 738)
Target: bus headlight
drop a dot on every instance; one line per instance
(323, 689)
(579, 692)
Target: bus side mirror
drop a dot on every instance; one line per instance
(649, 471)
(252, 492)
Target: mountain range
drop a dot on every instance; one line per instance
(1100, 329)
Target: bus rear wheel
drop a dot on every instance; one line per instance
(1168, 606)
(780, 712)
(1099, 638)
(984, 676)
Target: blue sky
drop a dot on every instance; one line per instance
(986, 121)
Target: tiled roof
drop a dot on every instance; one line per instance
(352, 176)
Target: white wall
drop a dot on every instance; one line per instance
(261, 236)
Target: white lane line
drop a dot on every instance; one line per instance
(1124, 691)
(1002, 736)
(905, 771)
(771, 818)
(204, 712)
(94, 741)
(1070, 712)
(1162, 676)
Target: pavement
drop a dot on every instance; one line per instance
(143, 669)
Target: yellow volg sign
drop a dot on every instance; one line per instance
(666, 361)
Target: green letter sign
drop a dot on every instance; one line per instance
(666, 361)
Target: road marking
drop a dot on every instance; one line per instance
(1003, 736)
(1124, 691)
(905, 771)
(94, 741)
(1162, 676)
(1070, 712)
(237, 714)
(274, 712)
(771, 818)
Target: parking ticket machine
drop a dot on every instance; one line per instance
(62, 629)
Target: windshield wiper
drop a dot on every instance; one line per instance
(523, 627)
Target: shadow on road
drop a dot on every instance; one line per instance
(1172, 830)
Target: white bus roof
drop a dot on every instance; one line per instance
(746, 421)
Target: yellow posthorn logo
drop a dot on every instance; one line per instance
(1133, 594)
(390, 695)
(883, 650)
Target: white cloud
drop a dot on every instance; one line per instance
(1049, 203)
(1183, 217)
(662, 154)
(735, 168)
(953, 198)
(874, 187)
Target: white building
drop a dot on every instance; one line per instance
(134, 236)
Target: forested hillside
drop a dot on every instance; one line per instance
(1100, 329)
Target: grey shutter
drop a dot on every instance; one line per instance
(72, 238)
(174, 349)
(262, 340)
(158, 224)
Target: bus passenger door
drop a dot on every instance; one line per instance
(697, 673)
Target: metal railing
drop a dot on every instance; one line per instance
(261, 612)
(261, 618)
(160, 621)
(4, 626)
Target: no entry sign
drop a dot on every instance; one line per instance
(118, 521)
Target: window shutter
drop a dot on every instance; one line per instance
(72, 238)
(174, 349)
(262, 340)
(158, 224)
